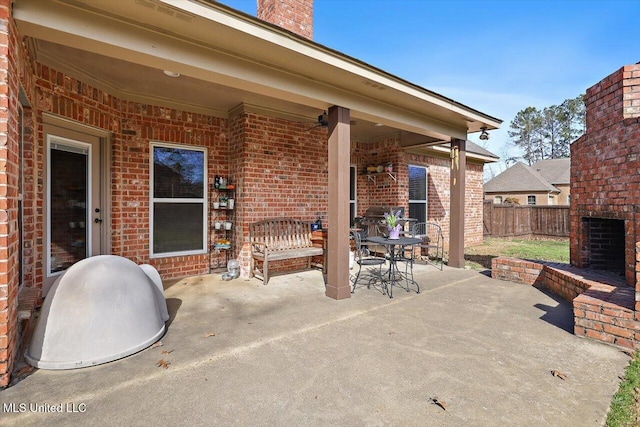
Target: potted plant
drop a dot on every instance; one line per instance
(392, 224)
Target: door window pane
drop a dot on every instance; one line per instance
(67, 206)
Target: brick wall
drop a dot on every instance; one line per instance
(439, 197)
(9, 90)
(292, 15)
(605, 164)
(134, 126)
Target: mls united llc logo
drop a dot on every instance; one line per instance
(68, 407)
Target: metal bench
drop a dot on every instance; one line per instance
(278, 239)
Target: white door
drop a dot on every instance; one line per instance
(72, 198)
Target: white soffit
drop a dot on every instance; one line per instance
(216, 44)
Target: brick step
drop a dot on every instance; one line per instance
(606, 313)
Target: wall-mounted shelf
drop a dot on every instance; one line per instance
(372, 176)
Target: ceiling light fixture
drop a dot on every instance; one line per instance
(171, 73)
(484, 135)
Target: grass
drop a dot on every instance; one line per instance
(479, 257)
(625, 408)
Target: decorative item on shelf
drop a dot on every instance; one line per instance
(230, 203)
(217, 225)
(222, 244)
(380, 169)
(216, 182)
(227, 225)
(223, 202)
(392, 224)
(216, 205)
(371, 169)
(388, 167)
(223, 182)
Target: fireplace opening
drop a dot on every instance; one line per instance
(605, 244)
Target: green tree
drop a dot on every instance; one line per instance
(525, 134)
(547, 134)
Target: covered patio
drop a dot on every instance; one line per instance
(251, 94)
(122, 116)
(240, 353)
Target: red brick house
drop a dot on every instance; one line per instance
(103, 152)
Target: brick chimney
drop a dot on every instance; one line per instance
(293, 15)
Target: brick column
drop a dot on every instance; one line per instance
(338, 284)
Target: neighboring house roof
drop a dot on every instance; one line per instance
(519, 177)
(555, 171)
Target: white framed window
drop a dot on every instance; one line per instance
(418, 193)
(353, 194)
(497, 200)
(178, 217)
(531, 200)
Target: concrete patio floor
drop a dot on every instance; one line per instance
(241, 353)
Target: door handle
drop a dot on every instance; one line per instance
(97, 221)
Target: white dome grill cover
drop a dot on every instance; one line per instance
(101, 309)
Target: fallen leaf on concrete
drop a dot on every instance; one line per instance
(559, 375)
(166, 352)
(157, 344)
(210, 334)
(163, 364)
(440, 403)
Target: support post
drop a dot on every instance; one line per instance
(457, 186)
(337, 257)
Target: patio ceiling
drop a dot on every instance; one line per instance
(226, 58)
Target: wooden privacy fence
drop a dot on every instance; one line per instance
(515, 220)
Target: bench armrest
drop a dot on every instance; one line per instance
(260, 246)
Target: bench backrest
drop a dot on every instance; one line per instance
(281, 233)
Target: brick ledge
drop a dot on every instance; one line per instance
(603, 305)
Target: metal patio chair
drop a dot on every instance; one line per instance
(432, 246)
(365, 259)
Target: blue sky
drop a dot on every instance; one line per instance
(498, 56)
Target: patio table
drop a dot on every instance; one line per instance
(395, 248)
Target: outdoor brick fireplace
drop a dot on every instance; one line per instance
(605, 177)
(605, 220)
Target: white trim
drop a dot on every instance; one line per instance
(203, 200)
(85, 149)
